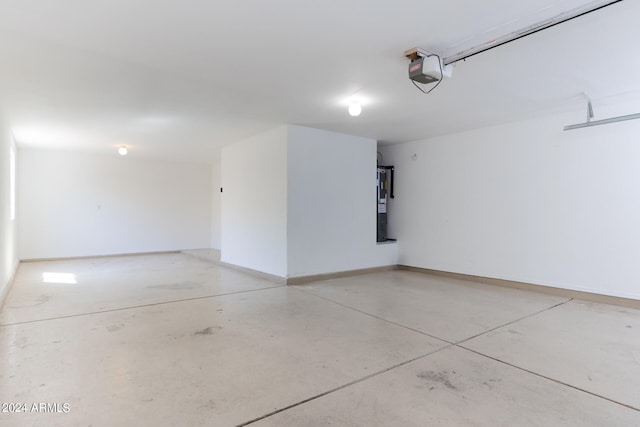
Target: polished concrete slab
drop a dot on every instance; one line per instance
(595, 347)
(43, 291)
(455, 387)
(449, 309)
(213, 361)
(170, 339)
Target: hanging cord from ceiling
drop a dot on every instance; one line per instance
(439, 81)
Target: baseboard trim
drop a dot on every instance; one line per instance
(259, 274)
(7, 289)
(549, 290)
(255, 273)
(301, 280)
(72, 258)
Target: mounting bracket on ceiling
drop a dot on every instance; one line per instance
(589, 108)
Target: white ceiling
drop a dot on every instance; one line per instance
(181, 79)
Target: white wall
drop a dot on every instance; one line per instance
(74, 204)
(525, 201)
(331, 203)
(216, 197)
(254, 203)
(8, 228)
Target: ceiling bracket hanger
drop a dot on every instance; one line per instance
(589, 108)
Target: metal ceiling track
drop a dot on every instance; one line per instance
(603, 121)
(590, 123)
(542, 25)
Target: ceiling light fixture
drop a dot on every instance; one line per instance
(355, 109)
(123, 150)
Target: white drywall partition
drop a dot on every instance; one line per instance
(300, 201)
(73, 204)
(526, 202)
(216, 184)
(254, 203)
(331, 203)
(8, 228)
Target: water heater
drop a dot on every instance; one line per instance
(384, 191)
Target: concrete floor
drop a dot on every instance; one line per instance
(172, 340)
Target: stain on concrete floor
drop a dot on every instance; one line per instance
(441, 377)
(207, 331)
